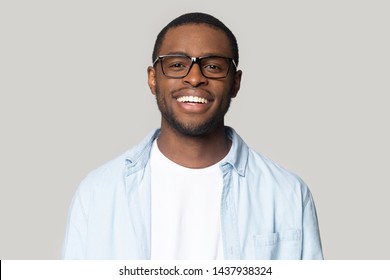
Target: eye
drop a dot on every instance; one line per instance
(176, 66)
(215, 64)
(175, 63)
(213, 67)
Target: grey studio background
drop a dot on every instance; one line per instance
(314, 98)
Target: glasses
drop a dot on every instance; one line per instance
(178, 66)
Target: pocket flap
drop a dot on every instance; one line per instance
(270, 239)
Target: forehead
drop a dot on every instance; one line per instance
(196, 40)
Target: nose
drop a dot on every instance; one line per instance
(195, 77)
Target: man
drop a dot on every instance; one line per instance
(193, 189)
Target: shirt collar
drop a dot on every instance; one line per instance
(238, 155)
(138, 157)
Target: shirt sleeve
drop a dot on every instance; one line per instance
(311, 241)
(74, 246)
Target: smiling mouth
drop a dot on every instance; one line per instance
(192, 99)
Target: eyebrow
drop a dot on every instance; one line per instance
(177, 53)
(205, 55)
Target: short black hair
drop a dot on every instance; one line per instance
(196, 18)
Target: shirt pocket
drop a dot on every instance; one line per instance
(282, 245)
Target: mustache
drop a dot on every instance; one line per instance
(191, 88)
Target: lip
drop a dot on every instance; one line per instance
(192, 99)
(195, 93)
(193, 107)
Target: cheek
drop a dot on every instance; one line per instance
(162, 97)
(227, 91)
(166, 87)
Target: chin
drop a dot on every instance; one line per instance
(196, 130)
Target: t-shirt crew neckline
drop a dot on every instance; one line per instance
(177, 167)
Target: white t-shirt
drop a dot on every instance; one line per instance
(185, 210)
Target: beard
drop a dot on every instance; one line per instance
(192, 129)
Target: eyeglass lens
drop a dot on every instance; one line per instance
(179, 66)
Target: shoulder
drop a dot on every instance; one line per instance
(261, 171)
(111, 173)
(274, 176)
(251, 163)
(269, 167)
(106, 172)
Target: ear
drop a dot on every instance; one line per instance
(152, 79)
(237, 83)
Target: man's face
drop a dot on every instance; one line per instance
(194, 105)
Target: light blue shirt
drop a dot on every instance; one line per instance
(266, 211)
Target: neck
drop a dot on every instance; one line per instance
(194, 151)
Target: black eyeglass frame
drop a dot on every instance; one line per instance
(194, 60)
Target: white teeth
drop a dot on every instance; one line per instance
(193, 99)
